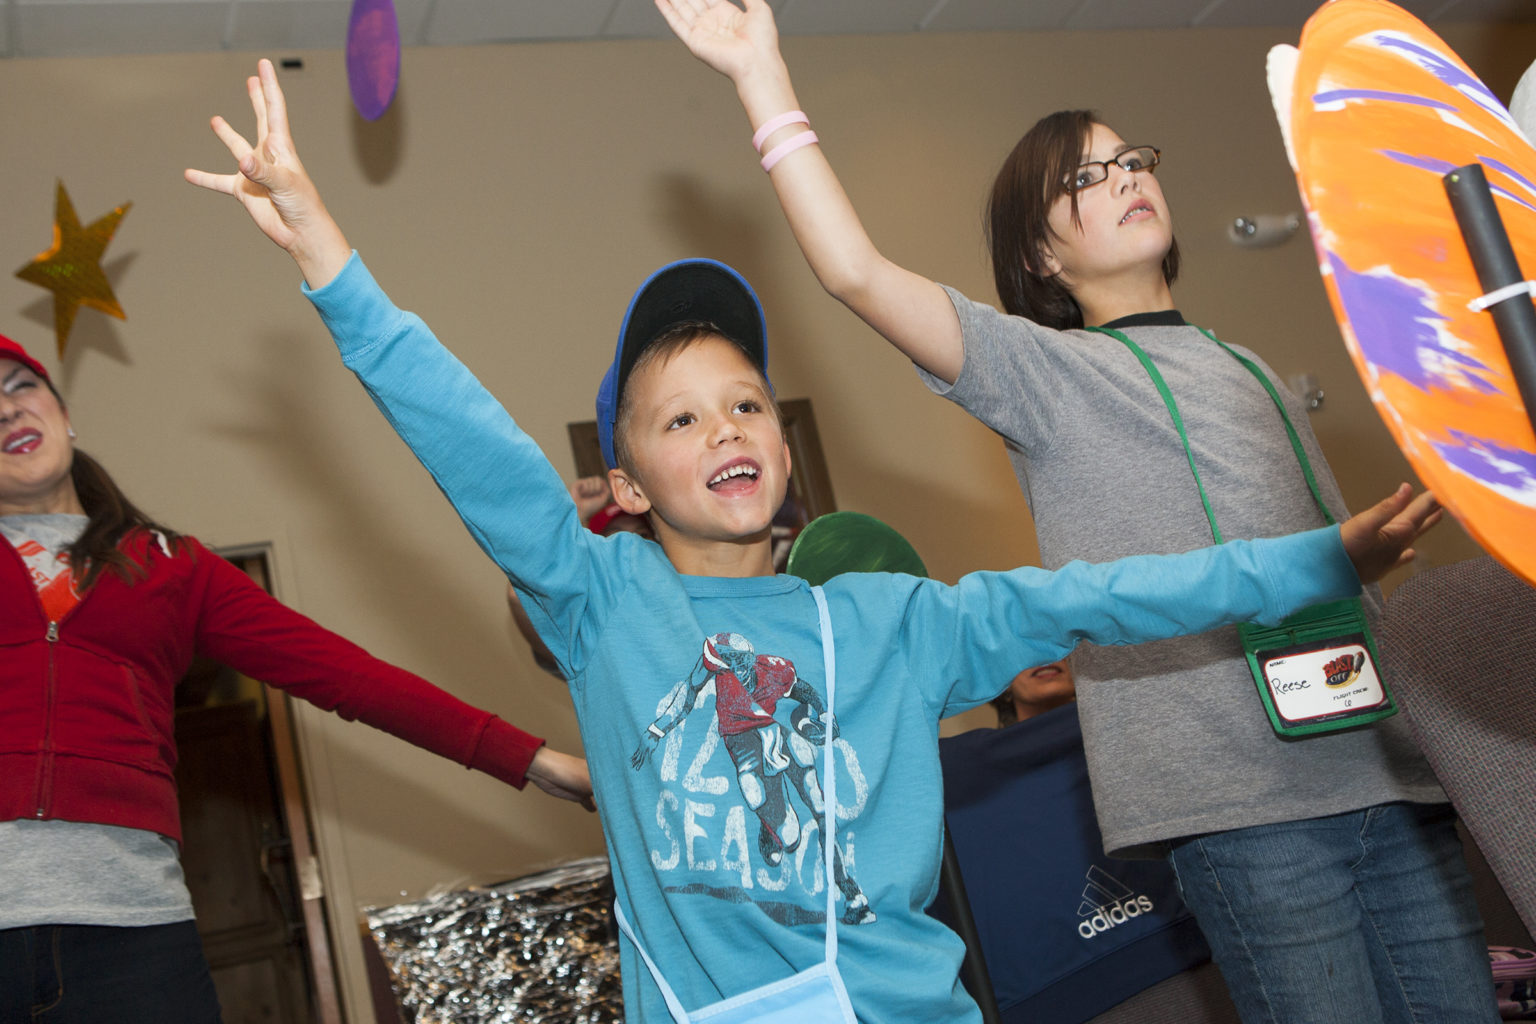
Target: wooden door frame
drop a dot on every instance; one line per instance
(317, 944)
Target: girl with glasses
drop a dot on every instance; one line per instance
(1325, 870)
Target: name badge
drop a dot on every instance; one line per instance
(1312, 683)
(1316, 671)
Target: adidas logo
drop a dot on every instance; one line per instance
(1107, 902)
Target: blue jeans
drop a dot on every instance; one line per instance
(1364, 916)
(91, 974)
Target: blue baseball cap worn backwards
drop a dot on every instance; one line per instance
(693, 289)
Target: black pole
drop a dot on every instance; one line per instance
(1494, 260)
(977, 982)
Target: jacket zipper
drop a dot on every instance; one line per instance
(45, 762)
(45, 766)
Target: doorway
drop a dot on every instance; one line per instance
(247, 850)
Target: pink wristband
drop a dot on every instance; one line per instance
(773, 124)
(787, 147)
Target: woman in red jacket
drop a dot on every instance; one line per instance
(101, 612)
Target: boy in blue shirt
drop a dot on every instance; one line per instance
(820, 759)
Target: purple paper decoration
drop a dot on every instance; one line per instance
(373, 56)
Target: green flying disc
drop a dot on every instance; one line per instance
(842, 542)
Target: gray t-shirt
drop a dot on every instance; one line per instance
(71, 872)
(1177, 739)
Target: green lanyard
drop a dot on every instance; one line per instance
(1178, 420)
(1316, 635)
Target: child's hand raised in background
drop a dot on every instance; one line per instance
(591, 494)
(273, 186)
(1381, 538)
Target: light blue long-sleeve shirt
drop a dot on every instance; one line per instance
(712, 838)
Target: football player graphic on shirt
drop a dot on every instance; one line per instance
(767, 754)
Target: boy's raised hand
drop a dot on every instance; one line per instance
(726, 37)
(1381, 538)
(273, 186)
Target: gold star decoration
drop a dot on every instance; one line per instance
(71, 268)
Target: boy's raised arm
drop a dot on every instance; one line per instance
(505, 491)
(273, 186)
(910, 311)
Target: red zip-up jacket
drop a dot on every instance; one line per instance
(86, 703)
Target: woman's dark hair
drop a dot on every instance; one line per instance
(1018, 232)
(112, 516)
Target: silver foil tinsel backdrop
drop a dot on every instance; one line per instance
(536, 949)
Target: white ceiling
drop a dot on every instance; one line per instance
(57, 28)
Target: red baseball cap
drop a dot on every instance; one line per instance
(11, 350)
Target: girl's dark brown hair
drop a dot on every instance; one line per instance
(1031, 179)
(112, 516)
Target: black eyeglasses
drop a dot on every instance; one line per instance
(1139, 158)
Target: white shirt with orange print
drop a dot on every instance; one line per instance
(42, 541)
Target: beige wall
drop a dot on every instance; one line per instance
(514, 197)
